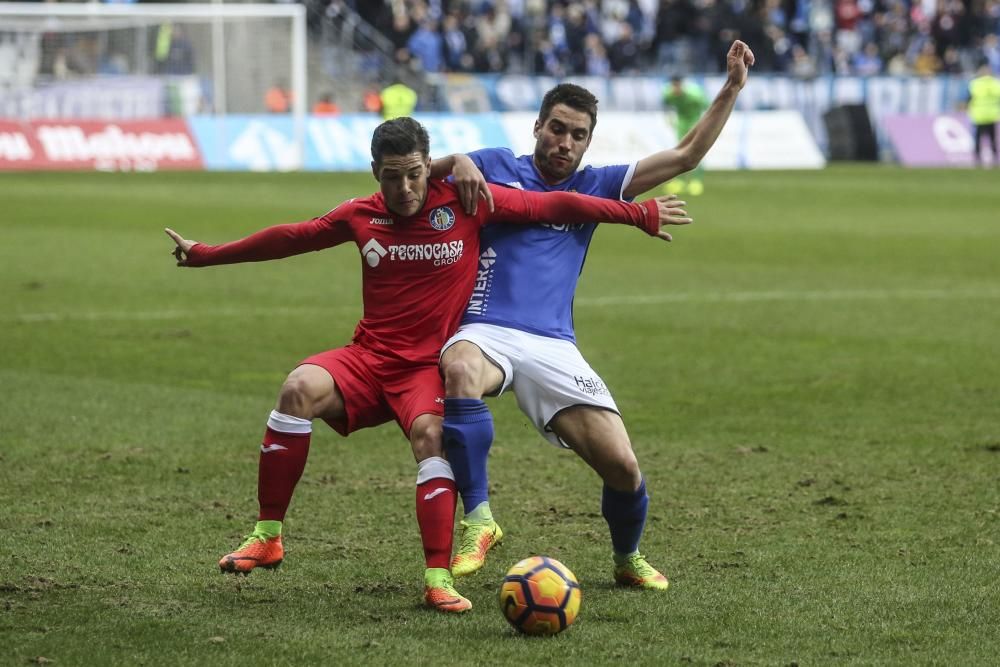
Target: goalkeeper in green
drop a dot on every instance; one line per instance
(689, 102)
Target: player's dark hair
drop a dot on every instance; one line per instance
(400, 136)
(574, 96)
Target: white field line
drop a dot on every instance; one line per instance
(594, 301)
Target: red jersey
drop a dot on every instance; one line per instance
(418, 272)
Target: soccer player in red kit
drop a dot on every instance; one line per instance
(419, 255)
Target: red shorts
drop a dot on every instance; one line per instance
(378, 389)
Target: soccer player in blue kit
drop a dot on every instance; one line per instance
(517, 331)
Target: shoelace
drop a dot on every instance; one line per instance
(251, 538)
(640, 566)
(444, 585)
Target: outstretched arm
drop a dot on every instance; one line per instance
(521, 206)
(270, 243)
(468, 179)
(660, 167)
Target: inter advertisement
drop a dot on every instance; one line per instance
(110, 146)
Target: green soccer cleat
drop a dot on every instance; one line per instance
(635, 572)
(477, 539)
(440, 593)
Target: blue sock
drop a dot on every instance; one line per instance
(468, 435)
(625, 513)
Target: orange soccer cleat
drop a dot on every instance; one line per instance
(440, 593)
(256, 551)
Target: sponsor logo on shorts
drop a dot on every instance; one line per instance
(442, 218)
(515, 184)
(592, 386)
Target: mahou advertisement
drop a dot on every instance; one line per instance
(107, 146)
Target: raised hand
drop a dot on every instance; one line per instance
(739, 60)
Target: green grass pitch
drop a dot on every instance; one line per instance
(810, 375)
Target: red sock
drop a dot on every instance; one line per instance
(436, 500)
(282, 460)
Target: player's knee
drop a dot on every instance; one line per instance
(630, 471)
(295, 397)
(426, 439)
(622, 473)
(459, 376)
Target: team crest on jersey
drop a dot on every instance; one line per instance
(442, 218)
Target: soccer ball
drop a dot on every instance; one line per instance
(540, 596)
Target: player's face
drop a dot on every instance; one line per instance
(403, 182)
(560, 142)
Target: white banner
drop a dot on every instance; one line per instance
(883, 95)
(750, 140)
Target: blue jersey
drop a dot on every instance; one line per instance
(528, 273)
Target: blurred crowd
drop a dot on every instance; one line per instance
(803, 38)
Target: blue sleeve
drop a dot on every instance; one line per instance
(487, 159)
(609, 180)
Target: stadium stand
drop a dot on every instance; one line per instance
(357, 46)
(854, 37)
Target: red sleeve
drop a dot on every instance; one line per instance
(513, 205)
(277, 242)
